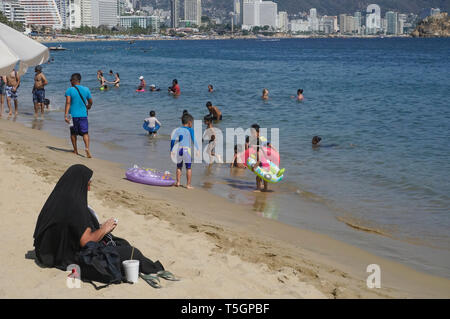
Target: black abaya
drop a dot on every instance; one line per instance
(64, 219)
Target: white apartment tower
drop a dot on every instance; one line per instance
(193, 11)
(42, 13)
(283, 21)
(313, 20)
(260, 13)
(174, 12)
(392, 22)
(104, 13)
(237, 11)
(373, 19)
(13, 11)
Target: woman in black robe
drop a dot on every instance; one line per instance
(65, 225)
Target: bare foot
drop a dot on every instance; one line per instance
(257, 191)
(88, 154)
(177, 185)
(75, 152)
(189, 187)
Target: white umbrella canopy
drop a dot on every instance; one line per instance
(17, 47)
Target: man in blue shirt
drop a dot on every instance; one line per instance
(184, 135)
(78, 102)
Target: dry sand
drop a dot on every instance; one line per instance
(218, 249)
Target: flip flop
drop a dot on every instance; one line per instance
(151, 280)
(167, 275)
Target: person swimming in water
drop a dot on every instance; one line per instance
(210, 88)
(116, 81)
(265, 94)
(316, 143)
(142, 83)
(153, 88)
(300, 96)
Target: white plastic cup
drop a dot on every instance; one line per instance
(131, 268)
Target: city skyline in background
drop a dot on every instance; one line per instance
(246, 14)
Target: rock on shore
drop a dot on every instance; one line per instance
(433, 26)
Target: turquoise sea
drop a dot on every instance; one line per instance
(384, 103)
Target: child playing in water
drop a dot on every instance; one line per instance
(184, 135)
(152, 123)
(235, 162)
(210, 88)
(259, 152)
(210, 136)
(265, 94)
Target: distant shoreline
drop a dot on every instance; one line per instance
(250, 37)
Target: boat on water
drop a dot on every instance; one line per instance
(58, 48)
(264, 38)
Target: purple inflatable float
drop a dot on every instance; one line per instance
(149, 176)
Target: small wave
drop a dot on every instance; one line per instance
(356, 224)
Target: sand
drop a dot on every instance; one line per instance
(217, 248)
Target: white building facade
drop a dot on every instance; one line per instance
(141, 21)
(298, 26)
(79, 14)
(283, 21)
(41, 13)
(258, 13)
(313, 20)
(104, 13)
(193, 11)
(13, 11)
(373, 19)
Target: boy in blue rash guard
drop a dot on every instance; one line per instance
(184, 135)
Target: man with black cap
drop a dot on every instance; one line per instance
(40, 81)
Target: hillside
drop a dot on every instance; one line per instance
(335, 7)
(328, 7)
(435, 26)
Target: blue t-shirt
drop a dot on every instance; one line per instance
(77, 106)
(184, 135)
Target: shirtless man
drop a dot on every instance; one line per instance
(12, 84)
(40, 81)
(214, 111)
(2, 93)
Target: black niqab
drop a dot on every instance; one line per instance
(63, 219)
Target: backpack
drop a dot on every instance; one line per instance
(100, 263)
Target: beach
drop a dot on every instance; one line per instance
(90, 38)
(219, 249)
(371, 185)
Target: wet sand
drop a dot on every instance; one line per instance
(218, 248)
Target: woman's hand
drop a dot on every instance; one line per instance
(109, 225)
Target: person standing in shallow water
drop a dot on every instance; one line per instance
(2, 93)
(40, 81)
(78, 102)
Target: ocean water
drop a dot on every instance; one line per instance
(383, 103)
